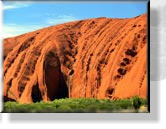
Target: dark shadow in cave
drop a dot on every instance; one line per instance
(5, 99)
(63, 88)
(56, 85)
(36, 94)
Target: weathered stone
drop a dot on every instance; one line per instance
(78, 59)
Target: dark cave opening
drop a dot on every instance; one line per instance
(56, 85)
(63, 89)
(55, 82)
(36, 94)
(5, 99)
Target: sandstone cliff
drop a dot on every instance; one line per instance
(100, 57)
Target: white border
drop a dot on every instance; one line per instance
(154, 120)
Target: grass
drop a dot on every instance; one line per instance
(79, 105)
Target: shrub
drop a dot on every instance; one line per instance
(137, 102)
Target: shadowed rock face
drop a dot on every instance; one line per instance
(100, 58)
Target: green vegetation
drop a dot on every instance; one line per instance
(137, 103)
(80, 105)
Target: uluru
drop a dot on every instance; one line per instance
(103, 58)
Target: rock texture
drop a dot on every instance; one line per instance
(100, 58)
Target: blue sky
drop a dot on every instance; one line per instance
(22, 17)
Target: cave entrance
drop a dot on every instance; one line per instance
(56, 85)
(36, 94)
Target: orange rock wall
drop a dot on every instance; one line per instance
(100, 58)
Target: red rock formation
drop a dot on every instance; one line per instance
(101, 58)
